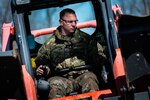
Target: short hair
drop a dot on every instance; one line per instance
(64, 11)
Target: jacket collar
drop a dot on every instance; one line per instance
(63, 37)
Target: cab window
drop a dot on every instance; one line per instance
(48, 18)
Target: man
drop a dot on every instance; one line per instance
(70, 48)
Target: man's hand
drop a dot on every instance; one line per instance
(42, 70)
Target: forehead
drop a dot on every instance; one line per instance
(69, 16)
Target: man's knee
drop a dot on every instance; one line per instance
(89, 82)
(59, 82)
(89, 75)
(59, 87)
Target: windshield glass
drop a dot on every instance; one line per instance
(49, 18)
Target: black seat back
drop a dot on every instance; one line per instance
(134, 35)
(134, 39)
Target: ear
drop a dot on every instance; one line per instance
(60, 22)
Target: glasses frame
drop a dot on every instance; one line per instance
(69, 21)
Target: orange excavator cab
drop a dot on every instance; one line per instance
(128, 62)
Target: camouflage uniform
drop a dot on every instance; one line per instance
(60, 52)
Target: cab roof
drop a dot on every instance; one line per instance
(29, 5)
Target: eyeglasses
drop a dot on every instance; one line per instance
(70, 21)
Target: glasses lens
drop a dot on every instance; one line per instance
(70, 21)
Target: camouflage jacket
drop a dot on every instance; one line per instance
(61, 51)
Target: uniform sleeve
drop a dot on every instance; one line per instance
(43, 56)
(96, 53)
(101, 51)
